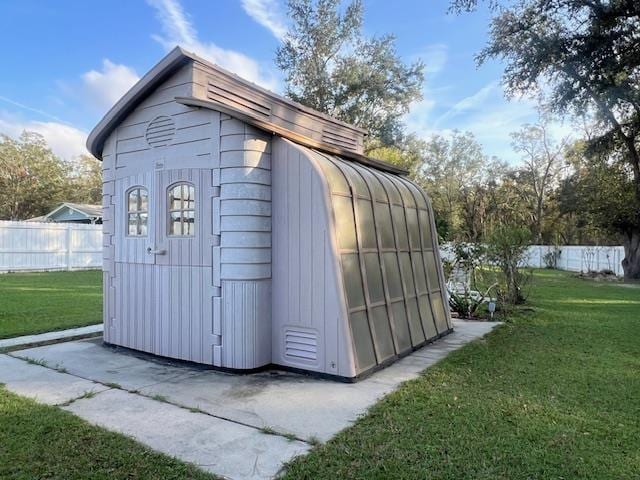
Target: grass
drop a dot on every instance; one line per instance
(554, 394)
(41, 302)
(38, 441)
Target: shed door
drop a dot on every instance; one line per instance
(163, 289)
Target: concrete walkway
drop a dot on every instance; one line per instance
(50, 337)
(238, 426)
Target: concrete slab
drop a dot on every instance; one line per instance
(43, 384)
(221, 447)
(289, 403)
(50, 337)
(92, 360)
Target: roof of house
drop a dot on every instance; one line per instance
(221, 90)
(89, 210)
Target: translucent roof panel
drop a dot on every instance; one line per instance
(389, 265)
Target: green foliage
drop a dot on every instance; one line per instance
(506, 249)
(578, 56)
(551, 395)
(330, 66)
(33, 180)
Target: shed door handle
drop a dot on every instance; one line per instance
(152, 251)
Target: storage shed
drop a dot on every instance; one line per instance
(243, 230)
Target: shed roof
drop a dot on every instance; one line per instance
(255, 105)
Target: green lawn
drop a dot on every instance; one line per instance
(553, 395)
(41, 302)
(38, 442)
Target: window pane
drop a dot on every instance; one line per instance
(414, 229)
(392, 191)
(132, 223)
(174, 223)
(397, 213)
(374, 277)
(383, 219)
(334, 176)
(427, 316)
(407, 273)
(142, 218)
(190, 197)
(393, 274)
(438, 311)
(352, 280)
(418, 268)
(407, 197)
(365, 355)
(400, 326)
(415, 324)
(345, 223)
(432, 271)
(425, 229)
(144, 200)
(367, 228)
(382, 333)
(133, 200)
(377, 189)
(356, 180)
(188, 223)
(175, 198)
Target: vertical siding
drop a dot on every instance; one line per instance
(163, 304)
(307, 302)
(244, 254)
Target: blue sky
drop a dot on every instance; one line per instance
(66, 62)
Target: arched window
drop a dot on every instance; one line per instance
(182, 210)
(137, 212)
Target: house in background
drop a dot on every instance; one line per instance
(72, 213)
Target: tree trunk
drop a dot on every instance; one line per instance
(631, 261)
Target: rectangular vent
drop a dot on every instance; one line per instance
(339, 140)
(300, 344)
(234, 98)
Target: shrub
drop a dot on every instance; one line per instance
(507, 249)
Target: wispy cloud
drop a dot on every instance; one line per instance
(434, 57)
(471, 102)
(65, 141)
(105, 87)
(268, 14)
(178, 30)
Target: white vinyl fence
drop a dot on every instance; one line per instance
(573, 258)
(27, 246)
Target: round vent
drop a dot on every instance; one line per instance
(160, 131)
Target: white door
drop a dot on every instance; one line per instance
(163, 264)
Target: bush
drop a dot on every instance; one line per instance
(506, 249)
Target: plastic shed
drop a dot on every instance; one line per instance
(243, 230)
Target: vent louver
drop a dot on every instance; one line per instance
(160, 131)
(301, 345)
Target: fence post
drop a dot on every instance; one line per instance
(69, 246)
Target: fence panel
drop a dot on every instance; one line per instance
(573, 258)
(26, 246)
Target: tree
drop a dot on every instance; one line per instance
(580, 56)
(455, 170)
(539, 174)
(330, 66)
(32, 178)
(85, 182)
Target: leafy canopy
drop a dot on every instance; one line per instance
(330, 66)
